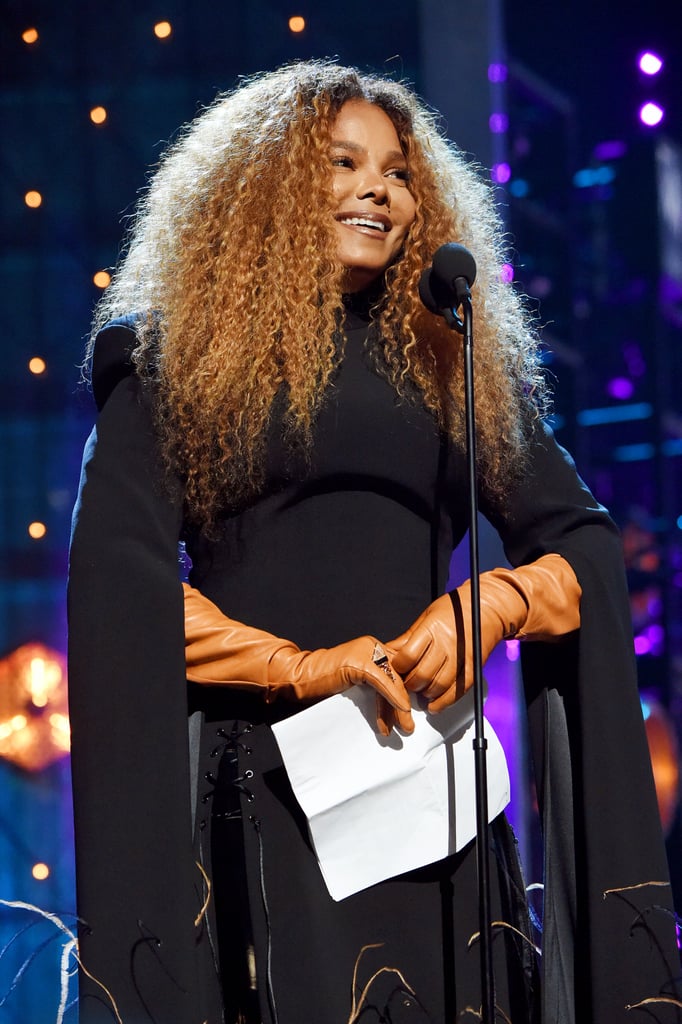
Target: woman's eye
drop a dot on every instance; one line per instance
(401, 173)
(342, 161)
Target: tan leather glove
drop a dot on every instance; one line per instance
(220, 651)
(540, 601)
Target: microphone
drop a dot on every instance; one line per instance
(445, 285)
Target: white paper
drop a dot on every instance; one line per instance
(376, 806)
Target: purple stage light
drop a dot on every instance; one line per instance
(498, 123)
(497, 72)
(650, 63)
(513, 650)
(610, 149)
(651, 114)
(621, 388)
(501, 173)
(642, 644)
(507, 273)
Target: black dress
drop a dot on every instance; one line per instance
(190, 844)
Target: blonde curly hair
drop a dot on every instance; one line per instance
(236, 271)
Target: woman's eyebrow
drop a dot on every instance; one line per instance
(393, 154)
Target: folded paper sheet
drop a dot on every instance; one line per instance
(378, 807)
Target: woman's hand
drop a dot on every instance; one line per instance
(540, 601)
(221, 651)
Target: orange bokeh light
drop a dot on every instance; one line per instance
(163, 29)
(37, 365)
(40, 871)
(102, 278)
(30, 36)
(34, 716)
(37, 530)
(33, 199)
(297, 23)
(98, 115)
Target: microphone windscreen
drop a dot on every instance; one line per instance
(425, 293)
(451, 261)
(436, 294)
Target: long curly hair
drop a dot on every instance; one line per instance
(232, 257)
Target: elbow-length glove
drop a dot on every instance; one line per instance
(540, 601)
(220, 651)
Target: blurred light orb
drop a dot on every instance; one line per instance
(37, 365)
(102, 279)
(501, 173)
(497, 72)
(651, 114)
(296, 23)
(98, 115)
(610, 149)
(650, 63)
(621, 388)
(33, 199)
(40, 871)
(664, 751)
(163, 29)
(37, 530)
(519, 187)
(642, 644)
(30, 36)
(34, 716)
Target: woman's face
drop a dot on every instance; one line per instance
(374, 207)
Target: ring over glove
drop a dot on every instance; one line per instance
(540, 601)
(220, 651)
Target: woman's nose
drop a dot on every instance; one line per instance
(373, 186)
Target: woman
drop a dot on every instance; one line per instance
(282, 403)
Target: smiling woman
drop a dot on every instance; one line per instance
(375, 208)
(275, 398)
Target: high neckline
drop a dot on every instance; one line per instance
(358, 305)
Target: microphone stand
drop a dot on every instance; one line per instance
(480, 744)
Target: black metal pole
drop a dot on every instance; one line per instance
(480, 743)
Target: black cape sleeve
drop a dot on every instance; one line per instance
(139, 888)
(609, 936)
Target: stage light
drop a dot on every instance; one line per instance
(37, 530)
(588, 177)
(519, 187)
(664, 751)
(650, 63)
(40, 871)
(102, 278)
(30, 36)
(498, 123)
(34, 724)
(497, 72)
(37, 365)
(614, 414)
(98, 115)
(33, 199)
(513, 650)
(621, 388)
(610, 149)
(501, 173)
(642, 645)
(651, 114)
(297, 23)
(163, 29)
